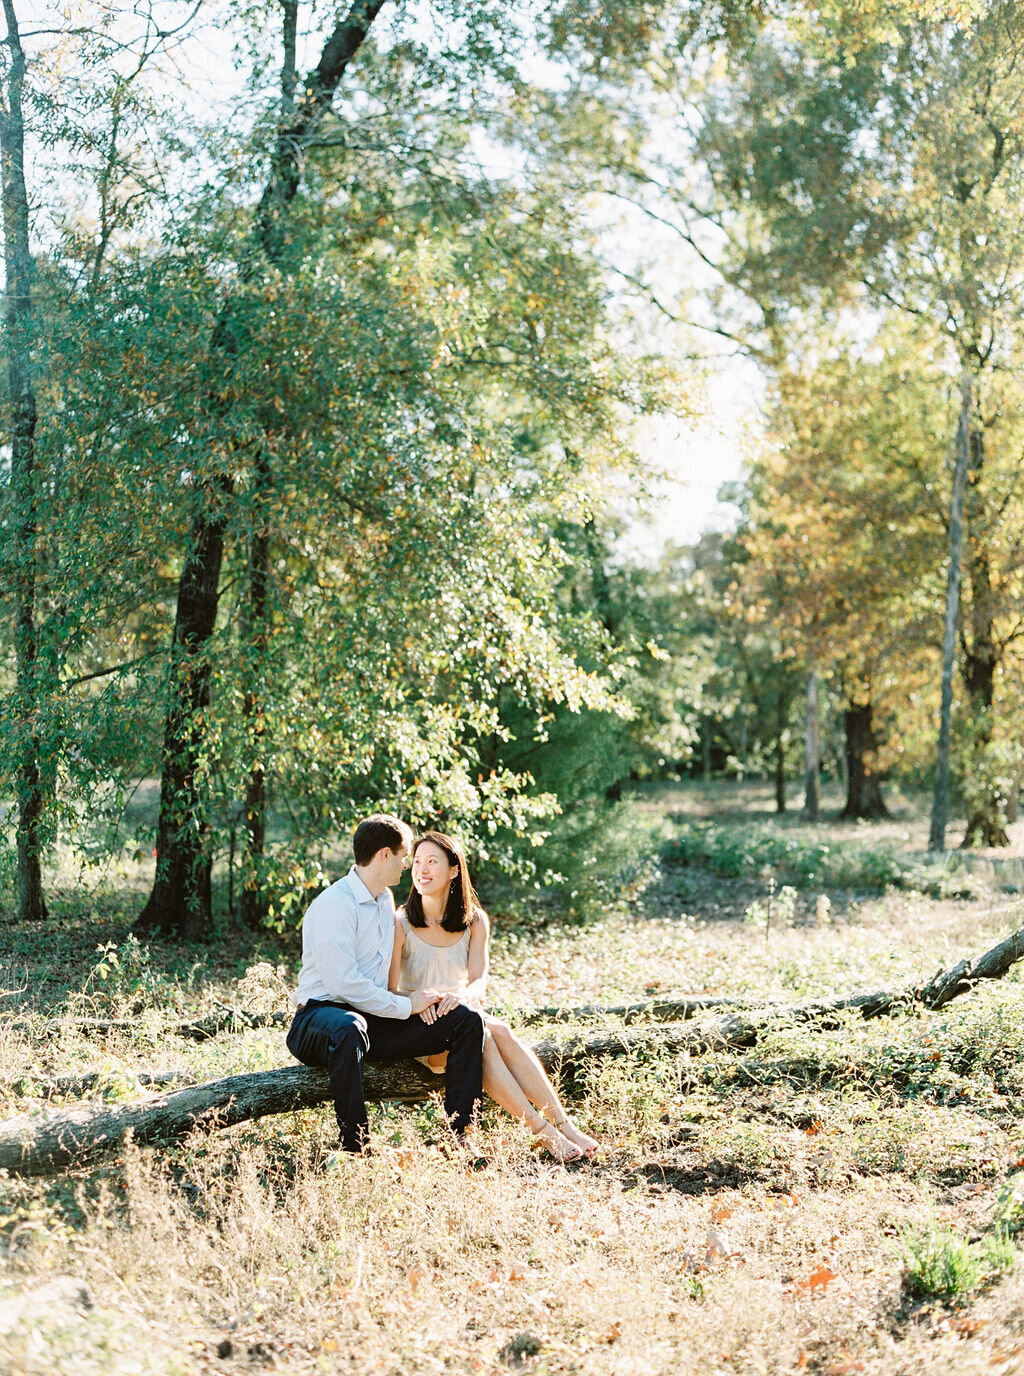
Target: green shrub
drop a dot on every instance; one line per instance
(735, 849)
(596, 854)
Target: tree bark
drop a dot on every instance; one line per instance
(863, 788)
(77, 1086)
(940, 796)
(293, 135)
(256, 634)
(41, 1144)
(18, 323)
(812, 750)
(180, 902)
(985, 819)
(255, 900)
(199, 1029)
(780, 762)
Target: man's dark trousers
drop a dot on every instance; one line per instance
(339, 1038)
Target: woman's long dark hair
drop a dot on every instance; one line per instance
(463, 904)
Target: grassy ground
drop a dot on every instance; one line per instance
(832, 1201)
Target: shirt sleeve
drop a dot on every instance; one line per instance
(334, 950)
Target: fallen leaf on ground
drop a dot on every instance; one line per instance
(821, 1279)
(784, 1201)
(845, 1365)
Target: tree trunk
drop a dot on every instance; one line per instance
(812, 750)
(782, 700)
(985, 819)
(18, 321)
(40, 1144)
(255, 899)
(744, 734)
(180, 902)
(940, 796)
(863, 791)
(1013, 800)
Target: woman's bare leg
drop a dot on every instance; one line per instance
(502, 1086)
(533, 1081)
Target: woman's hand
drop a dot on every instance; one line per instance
(446, 1004)
(424, 1002)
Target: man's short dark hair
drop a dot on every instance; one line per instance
(377, 832)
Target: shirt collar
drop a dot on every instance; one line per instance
(359, 890)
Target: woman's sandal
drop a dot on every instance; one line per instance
(565, 1127)
(549, 1139)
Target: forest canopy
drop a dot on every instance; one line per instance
(327, 336)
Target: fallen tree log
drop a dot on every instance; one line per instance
(221, 1019)
(42, 1143)
(116, 1078)
(234, 1019)
(679, 1008)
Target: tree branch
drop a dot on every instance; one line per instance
(310, 106)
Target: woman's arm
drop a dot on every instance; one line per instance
(477, 967)
(479, 934)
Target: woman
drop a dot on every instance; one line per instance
(441, 943)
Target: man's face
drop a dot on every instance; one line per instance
(395, 862)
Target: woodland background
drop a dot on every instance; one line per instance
(327, 335)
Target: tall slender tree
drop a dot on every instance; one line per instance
(180, 900)
(19, 327)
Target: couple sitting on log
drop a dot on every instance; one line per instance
(382, 986)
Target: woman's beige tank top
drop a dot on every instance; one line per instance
(444, 968)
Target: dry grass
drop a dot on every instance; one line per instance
(750, 1214)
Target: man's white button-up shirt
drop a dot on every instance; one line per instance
(347, 940)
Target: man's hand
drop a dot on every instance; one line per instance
(423, 1001)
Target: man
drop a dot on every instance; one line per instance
(344, 1009)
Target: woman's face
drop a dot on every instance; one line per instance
(432, 873)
